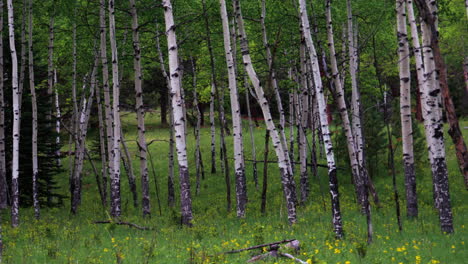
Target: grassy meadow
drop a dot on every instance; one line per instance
(59, 237)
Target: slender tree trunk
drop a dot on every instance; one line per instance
(179, 121)
(35, 166)
(435, 134)
(333, 180)
(58, 116)
(251, 133)
(140, 109)
(212, 128)
(75, 121)
(287, 179)
(50, 62)
(23, 57)
(3, 177)
(358, 179)
(265, 172)
(115, 178)
(16, 118)
(405, 110)
(198, 158)
(170, 178)
(105, 85)
(241, 185)
(128, 167)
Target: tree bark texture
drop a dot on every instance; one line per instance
(179, 121)
(319, 92)
(140, 109)
(287, 179)
(16, 118)
(241, 184)
(405, 109)
(3, 176)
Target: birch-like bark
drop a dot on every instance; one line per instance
(340, 98)
(287, 179)
(3, 177)
(405, 109)
(221, 116)
(461, 151)
(435, 135)
(115, 176)
(179, 122)
(170, 178)
(213, 128)
(140, 109)
(23, 54)
(105, 84)
(35, 166)
(74, 132)
(16, 118)
(319, 92)
(241, 185)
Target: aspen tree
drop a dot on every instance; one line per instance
(35, 166)
(405, 109)
(139, 108)
(115, 175)
(287, 180)
(333, 180)
(3, 176)
(179, 121)
(16, 118)
(434, 124)
(241, 185)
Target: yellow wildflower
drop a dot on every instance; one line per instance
(337, 251)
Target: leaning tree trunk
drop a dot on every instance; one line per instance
(16, 118)
(358, 179)
(179, 121)
(251, 133)
(333, 180)
(170, 178)
(35, 166)
(405, 110)
(3, 177)
(435, 132)
(105, 84)
(241, 186)
(140, 109)
(115, 175)
(287, 179)
(430, 19)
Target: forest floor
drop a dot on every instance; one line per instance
(59, 237)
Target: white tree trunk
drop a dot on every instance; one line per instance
(435, 131)
(241, 185)
(35, 166)
(3, 177)
(319, 92)
(179, 121)
(105, 83)
(115, 176)
(405, 109)
(58, 116)
(16, 118)
(301, 121)
(340, 98)
(289, 186)
(139, 108)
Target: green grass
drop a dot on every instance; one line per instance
(59, 237)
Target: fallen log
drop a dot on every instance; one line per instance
(123, 223)
(273, 245)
